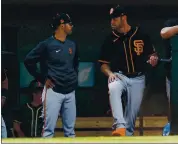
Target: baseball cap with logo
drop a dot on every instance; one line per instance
(61, 18)
(117, 12)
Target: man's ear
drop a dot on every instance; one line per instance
(60, 26)
(124, 17)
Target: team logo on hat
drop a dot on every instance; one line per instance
(111, 10)
(61, 21)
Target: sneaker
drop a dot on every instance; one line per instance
(166, 129)
(119, 132)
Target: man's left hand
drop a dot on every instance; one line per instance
(153, 60)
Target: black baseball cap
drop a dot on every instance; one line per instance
(61, 18)
(35, 85)
(117, 12)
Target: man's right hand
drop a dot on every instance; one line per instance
(113, 77)
(106, 70)
(49, 84)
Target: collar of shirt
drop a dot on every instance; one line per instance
(128, 34)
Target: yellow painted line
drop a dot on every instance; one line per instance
(134, 139)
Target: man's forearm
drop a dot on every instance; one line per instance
(106, 69)
(169, 32)
(76, 67)
(20, 133)
(33, 70)
(16, 127)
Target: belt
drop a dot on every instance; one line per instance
(132, 75)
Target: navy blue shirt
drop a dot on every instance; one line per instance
(58, 62)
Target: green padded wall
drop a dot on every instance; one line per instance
(174, 86)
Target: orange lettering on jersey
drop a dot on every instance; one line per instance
(138, 46)
(70, 50)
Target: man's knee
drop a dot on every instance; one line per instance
(115, 86)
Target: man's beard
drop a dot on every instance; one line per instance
(113, 27)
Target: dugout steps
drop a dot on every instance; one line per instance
(101, 126)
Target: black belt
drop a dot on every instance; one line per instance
(132, 75)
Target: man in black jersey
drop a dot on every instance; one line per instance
(27, 121)
(124, 55)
